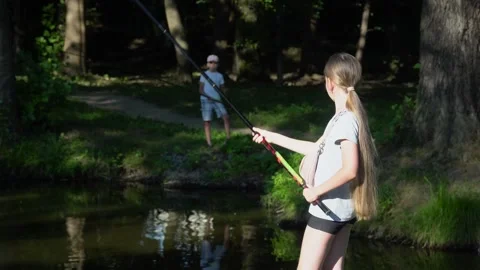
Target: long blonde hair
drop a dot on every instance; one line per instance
(345, 70)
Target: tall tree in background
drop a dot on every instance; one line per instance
(448, 102)
(312, 9)
(223, 14)
(362, 40)
(75, 41)
(279, 9)
(175, 27)
(245, 14)
(7, 75)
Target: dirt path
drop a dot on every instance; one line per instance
(139, 108)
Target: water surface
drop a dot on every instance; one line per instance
(139, 228)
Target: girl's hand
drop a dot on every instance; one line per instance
(260, 134)
(309, 195)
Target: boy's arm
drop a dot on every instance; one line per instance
(223, 88)
(201, 88)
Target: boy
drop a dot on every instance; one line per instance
(210, 98)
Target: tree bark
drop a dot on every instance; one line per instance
(176, 29)
(220, 31)
(448, 101)
(310, 27)
(75, 41)
(279, 37)
(20, 20)
(363, 31)
(8, 114)
(244, 13)
(237, 54)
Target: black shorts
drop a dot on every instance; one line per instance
(328, 226)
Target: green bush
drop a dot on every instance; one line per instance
(284, 196)
(41, 88)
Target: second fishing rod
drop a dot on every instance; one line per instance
(267, 145)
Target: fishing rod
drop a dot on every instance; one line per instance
(301, 182)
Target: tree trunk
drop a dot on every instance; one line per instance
(8, 114)
(279, 11)
(310, 27)
(448, 101)
(363, 31)
(244, 14)
(237, 57)
(220, 31)
(176, 29)
(75, 43)
(20, 21)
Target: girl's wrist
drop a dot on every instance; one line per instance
(318, 191)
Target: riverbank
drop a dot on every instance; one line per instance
(423, 202)
(98, 145)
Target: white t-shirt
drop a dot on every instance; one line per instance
(217, 78)
(329, 163)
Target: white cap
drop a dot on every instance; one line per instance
(212, 58)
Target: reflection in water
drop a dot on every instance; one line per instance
(191, 235)
(179, 232)
(76, 255)
(156, 227)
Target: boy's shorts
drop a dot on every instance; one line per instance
(208, 106)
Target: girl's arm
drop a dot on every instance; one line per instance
(346, 173)
(299, 146)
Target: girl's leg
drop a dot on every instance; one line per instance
(315, 245)
(336, 255)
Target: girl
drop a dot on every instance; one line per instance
(345, 176)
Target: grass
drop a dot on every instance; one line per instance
(435, 217)
(302, 111)
(98, 144)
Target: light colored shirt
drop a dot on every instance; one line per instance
(217, 78)
(338, 200)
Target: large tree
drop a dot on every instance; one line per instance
(177, 30)
(223, 19)
(7, 76)
(75, 41)
(448, 102)
(362, 40)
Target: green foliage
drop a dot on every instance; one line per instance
(394, 66)
(284, 245)
(447, 219)
(284, 196)
(42, 89)
(386, 200)
(402, 121)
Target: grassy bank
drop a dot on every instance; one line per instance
(88, 143)
(300, 111)
(421, 202)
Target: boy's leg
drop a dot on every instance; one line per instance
(226, 123)
(207, 117)
(222, 112)
(206, 127)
